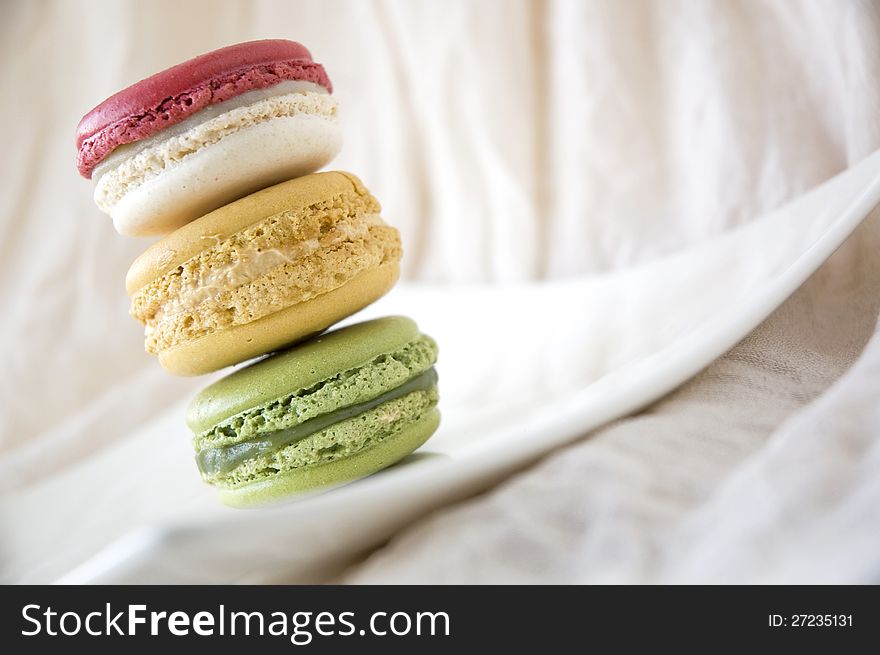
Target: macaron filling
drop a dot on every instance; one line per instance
(214, 462)
(253, 261)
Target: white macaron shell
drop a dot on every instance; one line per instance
(248, 159)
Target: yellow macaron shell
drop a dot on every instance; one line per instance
(280, 329)
(263, 272)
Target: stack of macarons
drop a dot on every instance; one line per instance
(258, 255)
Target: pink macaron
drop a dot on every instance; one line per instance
(196, 136)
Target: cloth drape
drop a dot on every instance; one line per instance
(509, 141)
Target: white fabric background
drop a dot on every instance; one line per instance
(508, 141)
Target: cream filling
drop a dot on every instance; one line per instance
(131, 165)
(250, 263)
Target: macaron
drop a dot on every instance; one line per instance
(333, 409)
(196, 136)
(263, 272)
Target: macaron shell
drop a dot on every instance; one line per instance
(191, 239)
(172, 95)
(242, 163)
(301, 367)
(280, 329)
(368, 461)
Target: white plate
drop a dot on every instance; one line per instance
(524, 369)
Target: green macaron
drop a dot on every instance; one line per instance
(333, 409)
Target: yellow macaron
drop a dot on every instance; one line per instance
(263, 272)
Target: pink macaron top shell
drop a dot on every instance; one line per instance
(169, 97)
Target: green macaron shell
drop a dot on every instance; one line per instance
(298, 369)
(368, 391)
(364, 462)
(353, 386)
